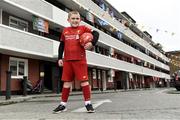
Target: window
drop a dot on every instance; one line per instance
(18, 67)
(18, 23)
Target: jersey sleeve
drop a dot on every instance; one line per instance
(87, 29)
(62, 38)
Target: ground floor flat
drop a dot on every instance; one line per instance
(46, 75)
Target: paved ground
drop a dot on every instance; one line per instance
(154, 104)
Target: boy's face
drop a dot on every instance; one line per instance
(74, 20)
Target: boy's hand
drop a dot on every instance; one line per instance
(60, 62)
(88, 46)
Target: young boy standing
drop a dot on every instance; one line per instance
(74, 61)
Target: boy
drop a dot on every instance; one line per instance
(74, 62)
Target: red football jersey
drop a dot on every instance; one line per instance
(72, 48)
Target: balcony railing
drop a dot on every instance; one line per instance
(108, 62)
(18, 41)
(15, 40)
(90, 5)
(39, 6)
(106, 39)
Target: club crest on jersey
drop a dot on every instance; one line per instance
(77, 37)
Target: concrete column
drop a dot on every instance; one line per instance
(151, 84)
(104, 79)
(135, 81)
(111, 51)
(167, 82)
(140, 81)
(143, 82)
(0, 16)
(127, 81)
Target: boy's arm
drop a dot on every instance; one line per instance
(95, 37)
(60, 50)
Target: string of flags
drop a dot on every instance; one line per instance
(108, 12)
(157, 30)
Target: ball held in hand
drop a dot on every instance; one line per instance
(85, 38)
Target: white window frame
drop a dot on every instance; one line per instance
(25, 67)
(19, 20)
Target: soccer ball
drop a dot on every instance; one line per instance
(85, 38)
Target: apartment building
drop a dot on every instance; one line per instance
(124, 58)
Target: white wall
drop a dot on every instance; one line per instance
(20, 41)
(108, 62)
(40, 6)
(0, 16)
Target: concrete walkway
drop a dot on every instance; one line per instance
(21, 98)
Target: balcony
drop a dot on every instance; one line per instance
(90, 5)
(108, 62)
(114, 43)
(21, 43)
(56, 14)
(17, 42)
(41, 7)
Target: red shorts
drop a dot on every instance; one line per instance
(75, 69)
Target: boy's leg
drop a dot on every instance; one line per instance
(80, 69)
(86, 90)
(65, 92)
(67, 77)
(87, 96)
(64, 97)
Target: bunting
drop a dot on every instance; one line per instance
(157, 30)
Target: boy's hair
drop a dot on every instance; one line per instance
(72, 12)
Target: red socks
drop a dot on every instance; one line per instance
(65, 94)
(86, 92)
